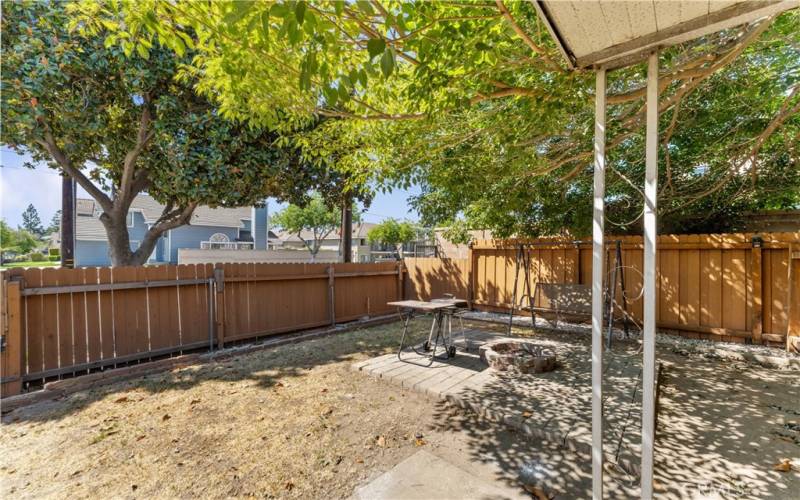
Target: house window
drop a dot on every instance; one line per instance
(219, 238)
(130, 219)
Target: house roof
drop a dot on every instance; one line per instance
(360, 230)
(89, 227)
(615, 34)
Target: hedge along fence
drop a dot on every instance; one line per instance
(72, 321)
(708, 286)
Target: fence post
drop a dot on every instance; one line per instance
(470, 263)
(332, 294)
(12, 342)
(758, 308)
(793, 331)
(219, 304)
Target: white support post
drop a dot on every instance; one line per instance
(650, 240)
(598, 261)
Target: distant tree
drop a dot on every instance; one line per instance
(18, 241)
(55, 223)
(316, 217)
(393, 233)
(31, 221)
(6, 239)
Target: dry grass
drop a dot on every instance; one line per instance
(287, 422)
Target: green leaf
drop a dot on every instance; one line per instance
(375, 47)
(300, 12)
(387, 62)
(142, 51)
(279, 10)
(338, 7)
(265, 25)
(240, 9)
(365, 6)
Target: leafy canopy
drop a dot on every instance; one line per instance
(392, 232)
(116, 118)
(470, 100)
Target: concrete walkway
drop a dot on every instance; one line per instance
(423, 476)
(553, 406)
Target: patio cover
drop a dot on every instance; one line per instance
(610, 34)
(618, 33)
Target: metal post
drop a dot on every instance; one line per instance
(598, 254)
(347, 231)
(650, 235)
(67, 222)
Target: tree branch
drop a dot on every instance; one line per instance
(525, 37)
(143, 137)
(49, 143)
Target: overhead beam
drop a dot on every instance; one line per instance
(650, 241)
(598, 261)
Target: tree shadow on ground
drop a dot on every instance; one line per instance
(267, 368)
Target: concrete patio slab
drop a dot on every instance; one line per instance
(424, 475)
(554, 406)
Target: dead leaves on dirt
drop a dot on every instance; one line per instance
(785, 465)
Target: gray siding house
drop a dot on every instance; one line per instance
(234, 228)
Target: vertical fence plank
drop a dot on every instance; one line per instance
(105, 315)
(12, 355)
(734, 287)
(94, 341)
(51, 313)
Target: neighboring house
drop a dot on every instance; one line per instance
(362, 249)
(218, 228)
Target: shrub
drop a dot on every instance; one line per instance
(37, 257)
(55, 258)
(55, 252)
(21, 257)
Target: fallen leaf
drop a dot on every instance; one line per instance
(419, 442)
(327, 411)
(324, 389)
(359, 460)
(289, 486)
(381, 441)
(166, 417)
(278, 384)
(194, 401)
(123, 399)
(785, 465)
(537, 492)
(140, 437)
(527, 414)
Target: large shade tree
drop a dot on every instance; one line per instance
(471, 100)
(117, 120)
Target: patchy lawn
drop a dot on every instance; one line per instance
(30, 263)
(291, 421)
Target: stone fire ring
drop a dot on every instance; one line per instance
(517, 355)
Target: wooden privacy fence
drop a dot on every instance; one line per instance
(71, 321)
(728, 286)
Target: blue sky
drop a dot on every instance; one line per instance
(20, 186)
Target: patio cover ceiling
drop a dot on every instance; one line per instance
(618, 33)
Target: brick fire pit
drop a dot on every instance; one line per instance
(518, 355)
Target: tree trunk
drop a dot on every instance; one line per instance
(119, 242)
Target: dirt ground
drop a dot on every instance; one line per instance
(295, 421)
(291, 422)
